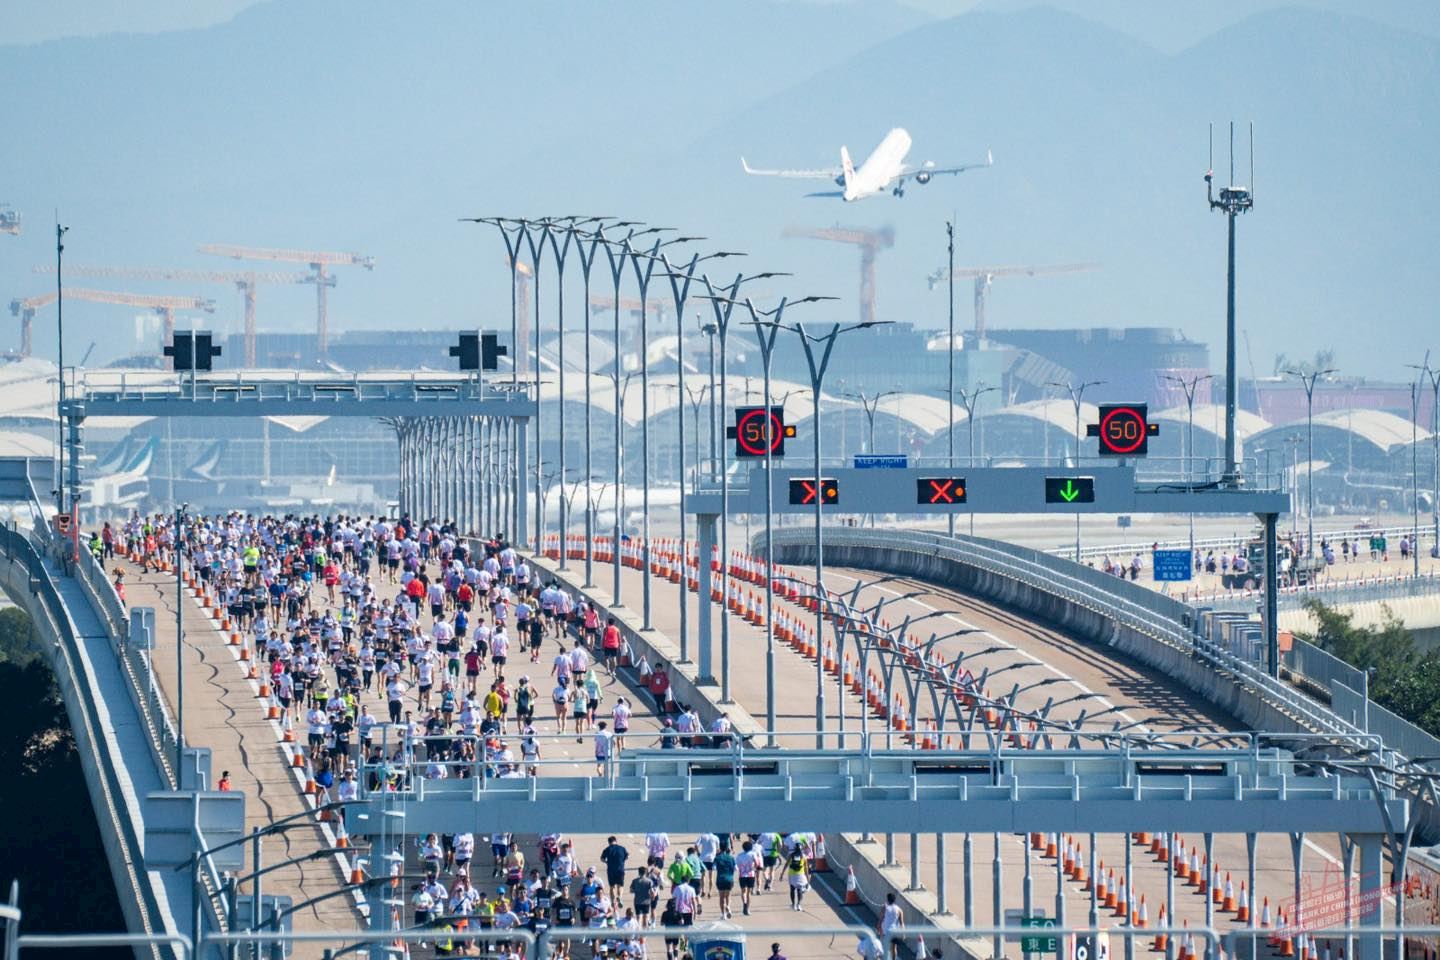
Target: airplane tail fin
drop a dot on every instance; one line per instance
(847, 168)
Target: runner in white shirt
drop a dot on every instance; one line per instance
(707, 845)
(656, 846)
(747, 868)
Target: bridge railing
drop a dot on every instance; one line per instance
(134, 657)
(19, 549)
(1163, 619)
(1347, 591)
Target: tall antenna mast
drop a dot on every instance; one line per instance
(1233, 200)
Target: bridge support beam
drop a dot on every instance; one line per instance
(705, 667)
(1372, 891)
(1269, 619)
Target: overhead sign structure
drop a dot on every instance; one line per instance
(881, 461)
(478, 351)
(804, 491)
(760, 430)
(940, 490)
(192, 350)
(1124, 430)
(991, 490)
(1069, 489)
(1172, 566)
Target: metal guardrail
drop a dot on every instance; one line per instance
(1164, 619)
(1333, 592)
(20, 550)
(1234, 542)
(139, 671)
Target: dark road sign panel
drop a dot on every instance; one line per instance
(940, 490)
(759, 430)
(1124, 430)
(1069, 489)
(802, 492)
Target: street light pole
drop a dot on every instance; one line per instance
(1077, 395)
(950, 369)
(722, 304)
(1426, 372)
(971, 400)
(679, 293)
(60, 368)
(765, 333)
(179, 546)
(536, 243)
(1190, 386)
(1308, 381)
(617, 273)
(587, 261)
(521, 234)
(817, 365)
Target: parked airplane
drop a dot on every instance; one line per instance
(884, 169)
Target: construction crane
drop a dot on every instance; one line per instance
(984, 275)
(318, 261)
(164, 306)
(244, 282)
(9, 220)
(869, 241)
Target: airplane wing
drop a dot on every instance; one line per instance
(832, 173)
(929, 170)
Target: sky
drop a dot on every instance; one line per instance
(373, 127)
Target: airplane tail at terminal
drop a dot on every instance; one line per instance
(846, 167)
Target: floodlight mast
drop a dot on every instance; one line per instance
(1234, 200)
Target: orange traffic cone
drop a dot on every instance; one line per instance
(297, 759)
(1227, 903)
(1161, 940)
(822, 864)
(1242, 911)
(357, 875)
(852, 888)
(1142, 919)
(289, 735)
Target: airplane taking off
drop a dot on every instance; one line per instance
(884, 169)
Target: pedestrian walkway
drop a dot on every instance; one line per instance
(223, 713)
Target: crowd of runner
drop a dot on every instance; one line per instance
(442, 639)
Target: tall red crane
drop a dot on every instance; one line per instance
(245, 282)
(870, 243)
(319, 263)
(164, 306)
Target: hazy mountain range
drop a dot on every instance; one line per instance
(372, 126)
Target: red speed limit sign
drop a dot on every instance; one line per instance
(1123, 430)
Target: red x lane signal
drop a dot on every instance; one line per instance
(940, 490)
(802, 492)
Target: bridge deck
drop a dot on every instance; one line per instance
(224, 714)
(1123, 691)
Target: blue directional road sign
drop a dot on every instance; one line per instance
(881, 461)
(1172, 566)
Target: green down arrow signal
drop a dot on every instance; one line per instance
(1069, 489)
